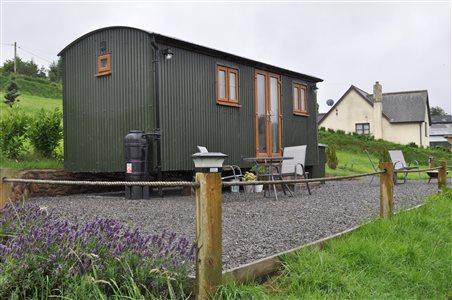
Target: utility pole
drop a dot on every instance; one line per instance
(15, 57)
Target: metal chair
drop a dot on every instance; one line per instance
(295, 167)
(373, 166)
(400, 165)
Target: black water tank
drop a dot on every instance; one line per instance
(137, 150)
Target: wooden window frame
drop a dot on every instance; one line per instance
(362, 124)
(100, 70)
(227, 101)
(300, 111)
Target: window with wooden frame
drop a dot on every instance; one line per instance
(103, 64)
(362, 128)
(227, 86)
(300, 99)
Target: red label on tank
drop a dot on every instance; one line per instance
(129, 168)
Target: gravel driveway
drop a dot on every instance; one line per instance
(253, 226)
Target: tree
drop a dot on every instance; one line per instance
(437, 111)
(11, 92)
(56, 71)
(29, 68)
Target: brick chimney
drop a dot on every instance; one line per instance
(377, 125)
(377, 92)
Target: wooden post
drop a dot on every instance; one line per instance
(6, 188)
(208, 223)
(431, 163)
(442, 174)
(386, 190)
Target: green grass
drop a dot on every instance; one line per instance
(353, 160)
(34, 86)
(406, 257)
(30, 162)
(357, 163)
(32, 104)
(357, 145)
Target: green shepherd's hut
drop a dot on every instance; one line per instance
(118, 79)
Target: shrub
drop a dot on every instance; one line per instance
(339, 131)
(383, 156)
(322, 129)
(11, 92)
(13, 132)
(330, 130)
(331, 157)
(413, 145)
(41, 255)
(46, 132)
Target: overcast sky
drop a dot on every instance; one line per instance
(404, 45)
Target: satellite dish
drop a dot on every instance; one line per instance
(330, 102)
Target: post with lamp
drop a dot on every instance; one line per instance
(167, 54)
(208, 167)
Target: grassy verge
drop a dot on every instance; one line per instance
(357, 163)
(408, 256)
(34, 86)
(30, 162)
(33, 104)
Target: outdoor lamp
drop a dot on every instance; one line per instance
(210, 162)
(168, 53)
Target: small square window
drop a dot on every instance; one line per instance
(300, 99)
(103, 64)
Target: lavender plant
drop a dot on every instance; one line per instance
(39, 252)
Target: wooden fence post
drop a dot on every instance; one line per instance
(442, 174)
(5, 187)
(386, 190)
(208, 223)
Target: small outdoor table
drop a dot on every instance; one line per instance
(433, 174)
(270, 164)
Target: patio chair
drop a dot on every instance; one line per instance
(295, 167)
(399, 164)
(236, 171)
(373, 166)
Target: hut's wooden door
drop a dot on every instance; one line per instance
(267, 105)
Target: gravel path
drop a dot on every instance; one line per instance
(253, 226)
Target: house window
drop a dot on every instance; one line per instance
(300, 99)
(103, 64)
(227, 86)
(362, 128)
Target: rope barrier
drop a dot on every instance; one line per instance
(195, 184)
(107, 183)
(243, 183)
(417, 171)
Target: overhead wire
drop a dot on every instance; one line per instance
(34, 54)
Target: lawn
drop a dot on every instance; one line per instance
(406, 257)
(357, 163)
(32, 104)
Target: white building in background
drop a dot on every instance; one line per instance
(400, 117)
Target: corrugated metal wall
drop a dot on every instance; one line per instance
(191, 117)
(299, 130)
(99, 111)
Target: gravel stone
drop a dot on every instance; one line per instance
(254, 227)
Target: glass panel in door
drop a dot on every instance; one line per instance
(261, 113)
(274, 115)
